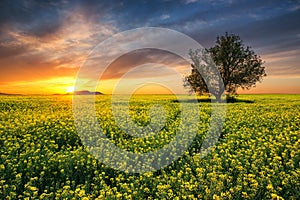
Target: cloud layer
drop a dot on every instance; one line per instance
(48, 39)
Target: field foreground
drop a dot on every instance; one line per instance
(42, 156)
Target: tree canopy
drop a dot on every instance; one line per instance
(238, 65)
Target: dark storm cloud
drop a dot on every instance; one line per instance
(45, 17)
(258, 22)
(32, 17)
(280, 33)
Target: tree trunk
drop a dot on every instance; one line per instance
(218, 98)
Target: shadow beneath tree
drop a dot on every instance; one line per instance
(208, 100)
(234, 100)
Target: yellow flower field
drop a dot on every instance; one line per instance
(42, 156)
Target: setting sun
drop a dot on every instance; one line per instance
(70, 89)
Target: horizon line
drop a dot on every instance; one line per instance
(53, 94)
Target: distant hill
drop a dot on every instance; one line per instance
(82, 92)
(86, 92)
(6, 94)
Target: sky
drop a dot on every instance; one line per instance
(43, 44)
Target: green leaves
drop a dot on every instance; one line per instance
(238, 65)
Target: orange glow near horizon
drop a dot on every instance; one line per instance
(43, 87)
(275, 85)
(65, 85)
